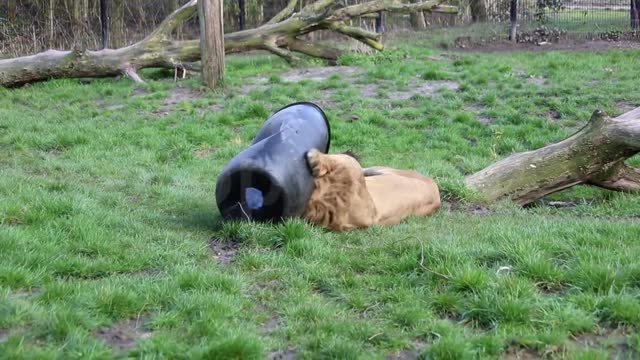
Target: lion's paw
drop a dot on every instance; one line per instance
(314, 161)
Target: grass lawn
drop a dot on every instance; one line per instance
(111, 243)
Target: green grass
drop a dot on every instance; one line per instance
(107, 210)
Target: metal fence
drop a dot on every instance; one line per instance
(579, 15)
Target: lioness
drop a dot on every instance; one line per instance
(347, 197)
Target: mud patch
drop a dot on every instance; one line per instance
(320, 73)
(423, 88)
(409, 354)
(176, 96)
(288, 354)
(205, 152)
(477, 110)
(552, 115)
(223, 251)
(624, 106)
(25, 294)
(247, 89)
(180, 94)
(521, 354)
(536, 81)
(614, 340)
(123, 336)
(415, 87)
(210, 109)
(471, 209)
(138, 92)
(492, 46)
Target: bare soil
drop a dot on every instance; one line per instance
(123, 336)
(568, 44)
(223, 251)
(287, 354)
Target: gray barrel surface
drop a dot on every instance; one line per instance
(270, 180)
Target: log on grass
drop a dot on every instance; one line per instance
(594, 155)
(280, 36)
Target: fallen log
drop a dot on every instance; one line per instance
(594, 155)
(281, 36)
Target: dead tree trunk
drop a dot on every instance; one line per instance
(281, 36)
(211, 41)
(594, 155)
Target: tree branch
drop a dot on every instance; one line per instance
(359, 34)
(380, 5)
(619, 177)
(284, 13)
(171, 23)
(593, 155)
(314, 50)
(158, 50)
(271, 46)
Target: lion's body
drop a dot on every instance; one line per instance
(347, 197)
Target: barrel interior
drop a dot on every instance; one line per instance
(254, 195)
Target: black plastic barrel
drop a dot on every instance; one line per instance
(270, 180)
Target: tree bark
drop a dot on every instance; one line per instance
(159, 50)
(211, 41)
(594, 155)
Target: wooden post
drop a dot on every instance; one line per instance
(104, 23)
(513, 12)
(380, 22)
(211, 41)
(242, 14)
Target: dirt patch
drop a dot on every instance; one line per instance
(471, 209)
(138, 92)
(288, 354)
(415, 87)
(176, 96)
(271, 325)
(552, 115)
(25, 294)
(520, 354)
(614, 340)
(123, 336)
(408, 354)
(478, 210)
(422, 88)
(477, 110)
(563, 45)
(624, 106)
(4, 336)
(212, 108)
(247, 89)
(223, 251)
(205, 153)
(536, 81)
(320, 73)
(180, 94)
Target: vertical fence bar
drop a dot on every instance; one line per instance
(380, 22)
(104, 23)
(513, 14)
(241, 15)
(634, 14)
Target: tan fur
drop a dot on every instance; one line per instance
(345, 199)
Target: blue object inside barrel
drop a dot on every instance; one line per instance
(270, 180)
(253, 198)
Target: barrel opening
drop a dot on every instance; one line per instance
(253, 195)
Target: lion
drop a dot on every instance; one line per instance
(348, 197)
